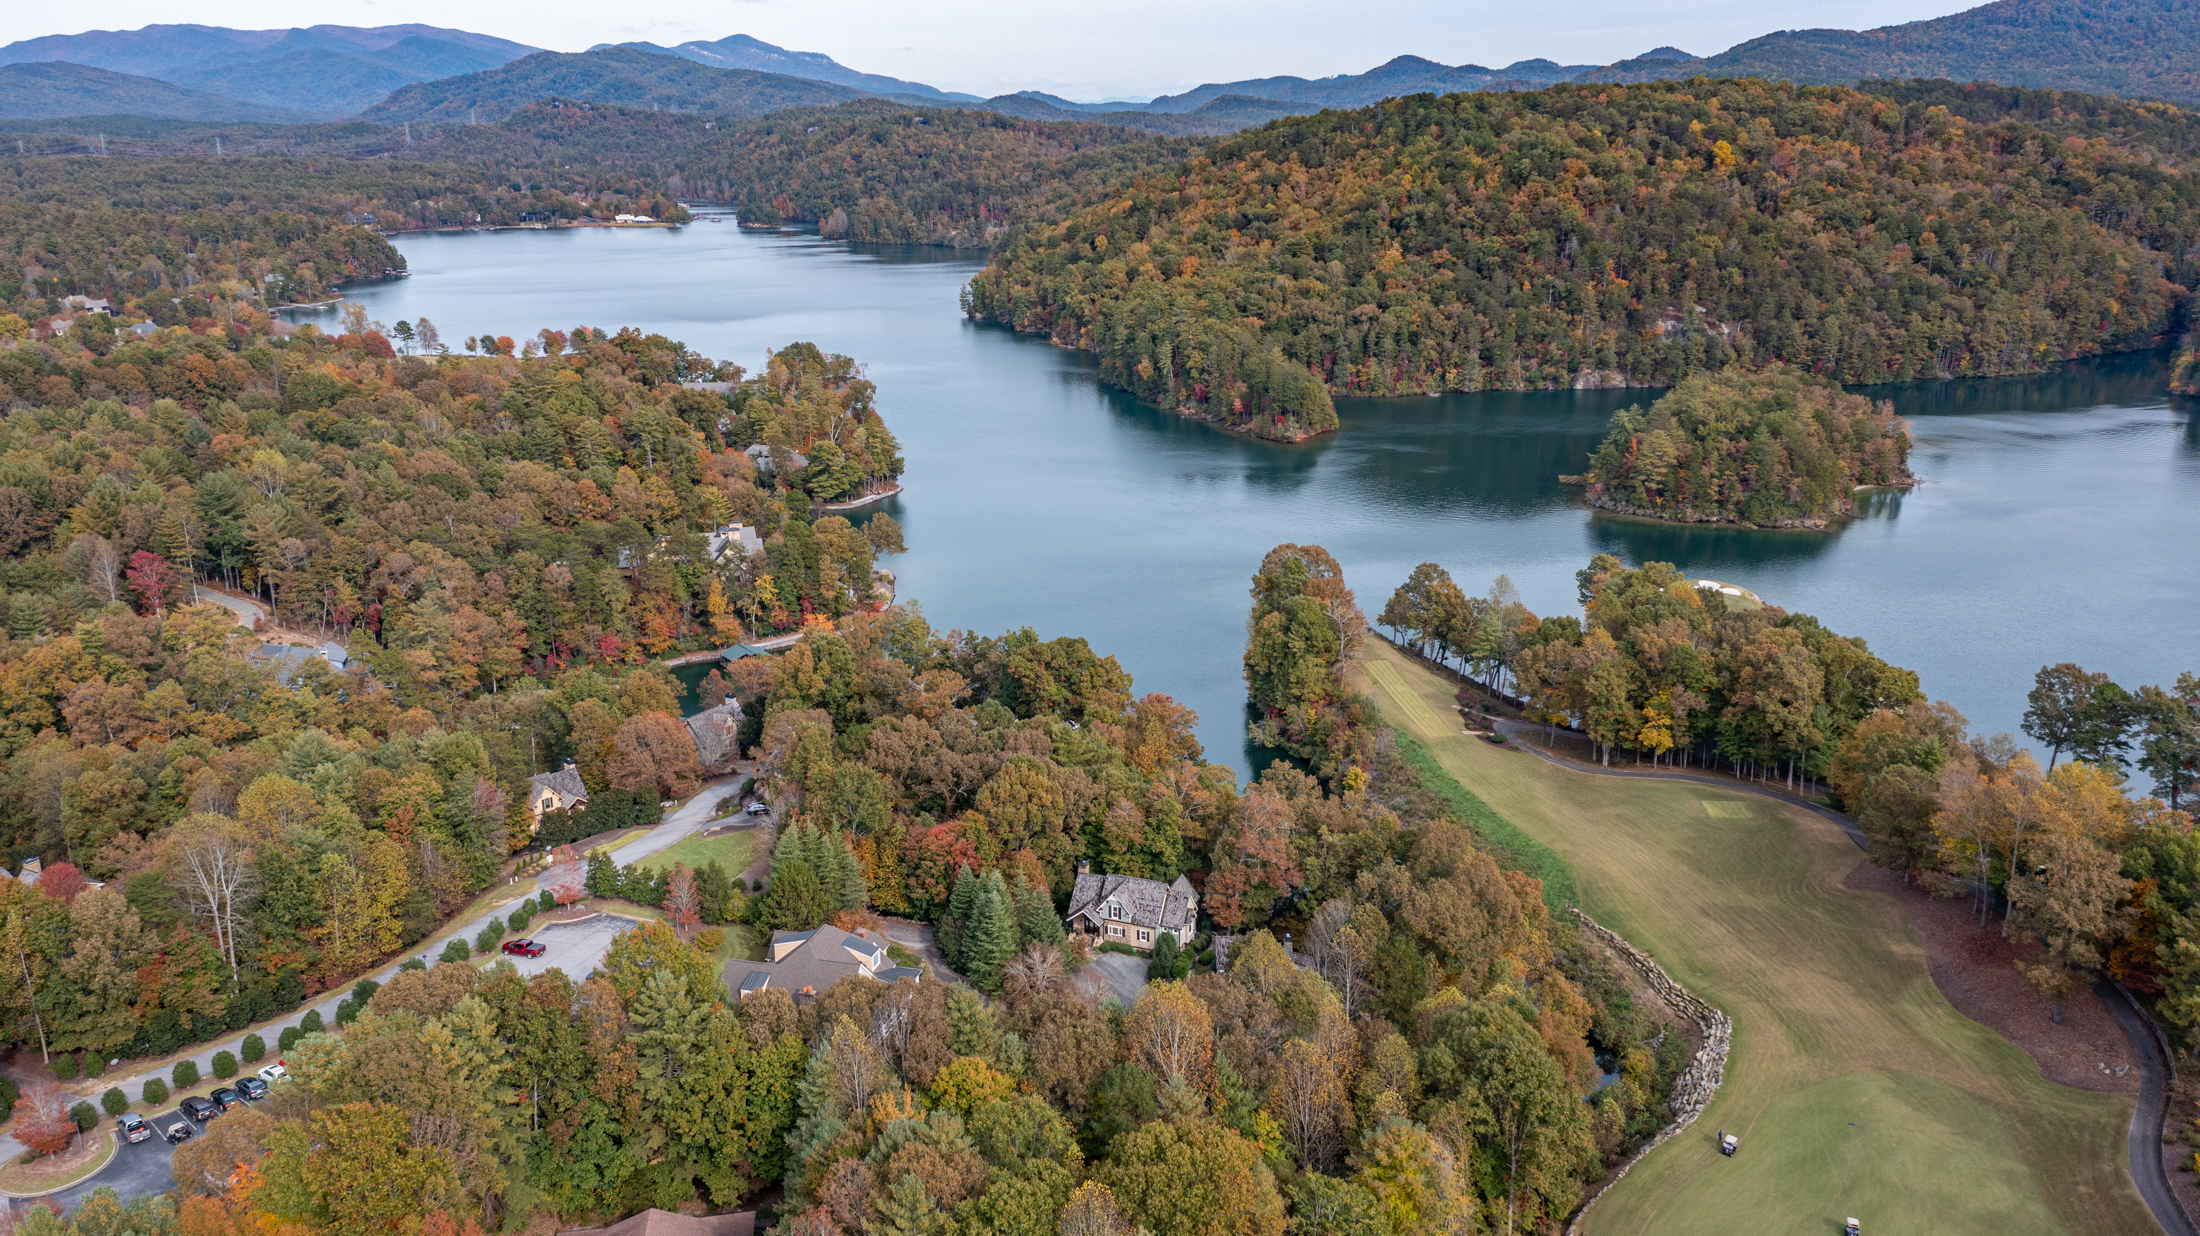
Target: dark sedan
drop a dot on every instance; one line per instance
(252, 1088)
(226, 1097)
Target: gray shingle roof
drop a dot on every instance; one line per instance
(815, 960)
(1146, 903)
(566, 782)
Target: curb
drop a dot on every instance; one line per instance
(1694, 1089)
(114, 1154)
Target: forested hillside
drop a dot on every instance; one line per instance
(1774, 449)
(2145, 49)
(1603, 236)
(148, 233)
(38, 91)
(614, 75)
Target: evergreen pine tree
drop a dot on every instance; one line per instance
(992, 939)
(955, 922)
(1036, 921)
(908, 1210)
(855, 890)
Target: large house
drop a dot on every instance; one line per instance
(805, 963)
(556, 791)
(291, 659)
(1132, 910)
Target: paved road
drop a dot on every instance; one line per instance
(246, 611)
(919, 936)
(688, 818)
(2143, 1141)
(684, 821)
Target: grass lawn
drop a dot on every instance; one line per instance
(1854, 1086)
(735, 852)
(59, 1171)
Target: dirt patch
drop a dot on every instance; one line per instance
(1976, 969)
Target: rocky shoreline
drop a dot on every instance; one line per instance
(1694, 1088)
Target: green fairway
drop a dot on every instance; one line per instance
(735, 852)
(1855, 1088)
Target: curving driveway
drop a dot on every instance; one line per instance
(247, 612)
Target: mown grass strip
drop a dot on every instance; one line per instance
(1515, 847)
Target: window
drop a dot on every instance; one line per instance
(1115, 929)
(1144, 936)
(1115, 910)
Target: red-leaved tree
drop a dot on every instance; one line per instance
(63, 882)
(566, 877)
(150, 577)
(45, 1126)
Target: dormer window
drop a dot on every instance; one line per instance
(1115, 909)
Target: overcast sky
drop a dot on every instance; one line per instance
(1124, 49)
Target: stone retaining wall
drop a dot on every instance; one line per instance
(1693, 1089)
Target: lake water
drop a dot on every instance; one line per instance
(2053, 524)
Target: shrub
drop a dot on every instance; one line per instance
(85, 1116)
(64, 1066)
(365, 989)
(155, 1092)
(311, 1022)
(410, 963)
(114, 1101)
(491, 932)
(456, 950)
(546, 901)
(255, 1049)
(225, 1064)
(94, 1064)
(346, 1011)
(185, 1074)
(289, 1038)
(8, 1095)
(522, 914)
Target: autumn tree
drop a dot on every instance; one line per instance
(652, 751)
(2072, 900)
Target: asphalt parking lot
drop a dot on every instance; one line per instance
(1126, 975)
(572, 947)
(142, 1168)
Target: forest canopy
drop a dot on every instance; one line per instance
(1773, 449)
(1608, 235)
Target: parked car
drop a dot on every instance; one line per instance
(251, 1088)
(133, 1127)
(273, 1073)
(180, 1131)
(758, 808)
(201, 1110)
(524, 948)
(226, 1097)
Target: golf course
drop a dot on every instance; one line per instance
(1855, 1088)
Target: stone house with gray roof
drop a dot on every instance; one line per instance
(1132, 910)
(555, 791)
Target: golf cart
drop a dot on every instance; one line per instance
(180, 1131)
(1728, 1144)
(1851, 1229)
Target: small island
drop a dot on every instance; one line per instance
(1774, 449)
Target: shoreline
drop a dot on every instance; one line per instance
(864, 501)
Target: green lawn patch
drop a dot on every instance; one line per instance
(735, 852)
(1516, 848)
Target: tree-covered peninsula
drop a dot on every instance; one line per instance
(1773, 449)
(1607, 235)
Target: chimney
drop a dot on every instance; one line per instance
(1084, 866)
(32, 866)
(570, 766)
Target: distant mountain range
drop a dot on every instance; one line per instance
(52, 90)
(755, 55)
(624, 76)
(386, 74)
(332, 70)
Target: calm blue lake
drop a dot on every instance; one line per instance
(2052, 526)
